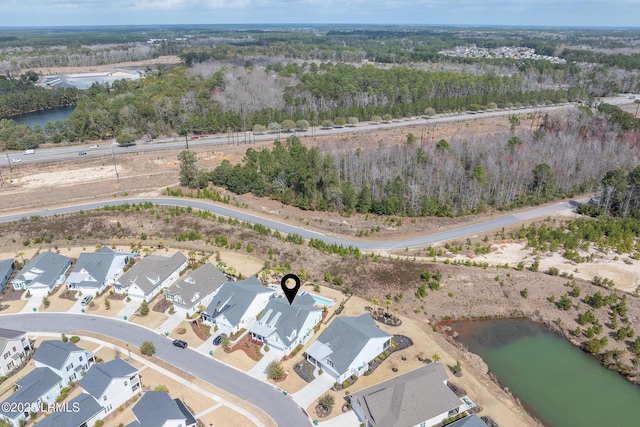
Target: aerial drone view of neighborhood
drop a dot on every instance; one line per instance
(376, 224)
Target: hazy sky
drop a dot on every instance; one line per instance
(467, 12)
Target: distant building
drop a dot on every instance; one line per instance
(84, 81)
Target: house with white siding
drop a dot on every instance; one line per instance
(158, 409)
(197, 288)
(236, 304)
(150, 275)
(42, 274)
(347, 346)
(14, 347)
(66, 359)
(6, 270)
(94, 271)
(283, 326)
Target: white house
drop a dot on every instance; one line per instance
(94, 271)
(283, 326)
(347, 346)
(236, 304)
(14, 347)
(419, 398)
(43, 273)
(151, 274)
(39, 387)
(66, 359)
(111, 384)
(197, 288)
(157, 409)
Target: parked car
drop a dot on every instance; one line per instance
(82, 153)
(86, 300)
(195, 137)
(94, 146)
(180, 343)
(217, 340)
(16, 160)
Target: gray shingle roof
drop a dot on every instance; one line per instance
(54, 353)
(151, 270)
(6, 265)
(234, 298)
(196, 285)
(10, 333)
(87, 408)
(470, 421)
(280, 318)
(155, 408)
(32, 386)
(409, 399)
(91, 268)
(345, 338)
(99, 376)
(45, 267)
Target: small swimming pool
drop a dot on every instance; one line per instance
(320, 300)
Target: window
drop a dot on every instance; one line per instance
(105, 398)
(80, 359)
(126, 383)
(423, 424)
(14, 349)
(6, 355)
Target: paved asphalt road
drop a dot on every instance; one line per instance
(455, 233)
(106, 149)
(283, 410)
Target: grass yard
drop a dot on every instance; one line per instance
(230, 417)
(151, 320)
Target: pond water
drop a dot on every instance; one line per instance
(42, 117)
(559, 383)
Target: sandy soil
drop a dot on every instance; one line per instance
(101, 310)
(151, 320)
(189, 336)
(244, 264)
(14, 306)
(230, 417)
(237, 358)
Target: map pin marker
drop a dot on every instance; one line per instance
(290, 292)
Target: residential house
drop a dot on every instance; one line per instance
(157, 409)
(43, 273)
(151, 274)
(81, 411)
(105, 387)
(14, 347)
(66, 359)
(94, 271)
(197, 288)
(236, 304)
(347, 346)
(418, 398)
(111, 384)
(6, 270)
(283, 326)
(39, 387)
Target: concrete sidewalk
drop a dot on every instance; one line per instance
(314, 390)
(348, 419)
(128, 309)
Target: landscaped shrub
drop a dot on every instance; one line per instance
(74, 339)
(346, 383)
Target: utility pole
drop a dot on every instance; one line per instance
(186, 139)
(115, 166)
(8, 161)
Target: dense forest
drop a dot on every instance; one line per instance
(18, 96)
(564, 156)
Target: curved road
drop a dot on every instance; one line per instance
(224, 210)
(283, 410)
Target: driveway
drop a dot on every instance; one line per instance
(348, 419)
(279, 407)
(259, 371)
(314, 390)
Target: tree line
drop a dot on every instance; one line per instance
(470, 175)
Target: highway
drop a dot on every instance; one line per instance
(365, 245)
(282, 409)
(108, 148)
